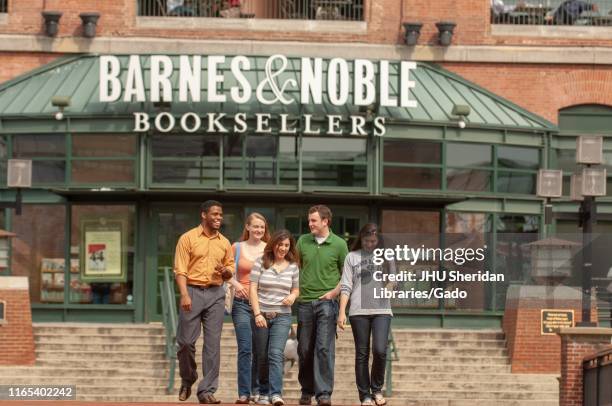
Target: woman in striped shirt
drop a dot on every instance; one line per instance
(274, 288)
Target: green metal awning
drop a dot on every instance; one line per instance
(437, 90)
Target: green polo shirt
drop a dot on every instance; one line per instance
(321, 265)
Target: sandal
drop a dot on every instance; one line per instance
(379, 399)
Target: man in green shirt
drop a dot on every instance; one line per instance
(322, 256)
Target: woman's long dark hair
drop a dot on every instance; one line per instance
(277, 237)
(368, 230)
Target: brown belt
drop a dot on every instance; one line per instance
(270, 315)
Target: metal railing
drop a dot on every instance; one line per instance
(552, 12)
(597, 373)
(392, 356)
(347, 10)
(3, 6)
(166, 287)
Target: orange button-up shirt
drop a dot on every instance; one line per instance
(197, 255)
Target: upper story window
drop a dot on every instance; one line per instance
(343, 10)
(552, 12)
(3, 6)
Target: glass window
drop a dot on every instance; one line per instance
(408, 151)
(38, 251)
(185, 146)
(412, 178)
(102, 254)
(518, 157)
(116, 145)
(48, 172)
(468, 179)
(185, 159)
(332, 162)
(333, 149)
(107, 171)
(470, 230)
(566, 160)
(48, 156)
(39, 146)
(516, 182)
(468, 154)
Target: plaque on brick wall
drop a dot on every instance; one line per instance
(555, 319)
(2, 315)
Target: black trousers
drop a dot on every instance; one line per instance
(364, 327)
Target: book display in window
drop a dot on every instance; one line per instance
(52, 275)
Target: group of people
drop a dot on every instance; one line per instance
(268, 273)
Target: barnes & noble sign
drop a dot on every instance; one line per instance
(338, 85)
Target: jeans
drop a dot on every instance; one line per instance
(376, 325)
(317, 347)
(271, 342)
(244, 325)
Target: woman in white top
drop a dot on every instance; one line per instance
(370, 316)
(274, 288)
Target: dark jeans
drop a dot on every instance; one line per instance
(363, 327)
(271, 342)
(244, 325)
(317, 347)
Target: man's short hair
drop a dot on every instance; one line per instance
(204, 207)
(324, 212)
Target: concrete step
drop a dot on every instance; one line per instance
(291, 384)
(114, 329)
(344, 393)
(41, 339)
(393, 401)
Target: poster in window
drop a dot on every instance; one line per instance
(102, 253)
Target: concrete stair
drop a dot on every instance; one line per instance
(127, 363)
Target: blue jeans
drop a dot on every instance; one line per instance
(244, 325)
(376, 326)
(317, 347)
(271, 342)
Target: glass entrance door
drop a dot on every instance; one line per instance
(167, 222)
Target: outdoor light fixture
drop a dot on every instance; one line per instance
(461, 111)
(61, 102)
(576, 187)
(445, 32)
(19, 175)
(589, 149)
(550, 184)
(412, 33)
(89, 20)
(593, 181)
(51, 22)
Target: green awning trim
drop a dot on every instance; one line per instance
(436, 91)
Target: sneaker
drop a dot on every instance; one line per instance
(367, 402)
(379, 399)
(324, 402)
(263, 400)
(254, 398)
(305, 400)
(277, 401)
(242, 400)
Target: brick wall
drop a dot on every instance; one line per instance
(529, 350)
(16, 63)
(16, 334)
(541, 89)
(576, 344)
